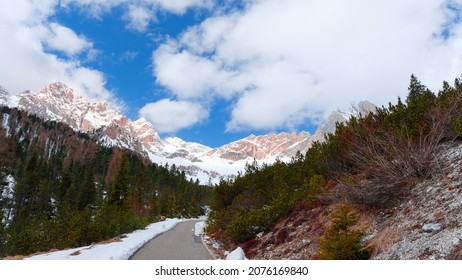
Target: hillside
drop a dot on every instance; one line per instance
(385, 185)
(424, 225)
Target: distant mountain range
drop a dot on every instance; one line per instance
(58, 102)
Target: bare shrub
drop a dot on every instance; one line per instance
(391, 160)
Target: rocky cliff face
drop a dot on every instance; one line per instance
(58, 102)
(283, 145)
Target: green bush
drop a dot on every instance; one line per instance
(457, 126)
(111, 221)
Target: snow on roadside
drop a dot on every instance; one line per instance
(112, 251)
(199, 228)
(237, 254)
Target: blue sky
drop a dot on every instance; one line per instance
(216, 71)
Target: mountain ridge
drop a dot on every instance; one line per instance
(58, 102)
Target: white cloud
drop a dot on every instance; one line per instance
(139, 17)
(189, 76)
(95, 8)
(25, 62)
(141, 13)
(169, 116)
(128, 55)
(284, 62)
(180, 6)
(63, 39)
(279, 99)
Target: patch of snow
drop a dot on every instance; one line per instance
(112, 251)
(199, 228)
(432, 228)
(237, 254)
(8, 191)
(6, 119)
(7, 195)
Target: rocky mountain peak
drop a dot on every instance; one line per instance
(57, 102)
(366, 107)
(59, 90)
(264, 146)
(363, 108)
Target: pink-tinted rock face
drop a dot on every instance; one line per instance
(264, 146)
(58, 102)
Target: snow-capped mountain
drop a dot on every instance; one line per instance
(209, 165)
(283, 145)
(58, 102)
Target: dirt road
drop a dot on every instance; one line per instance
(180, 243)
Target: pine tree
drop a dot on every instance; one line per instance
(120, 186)
(87, 193)
(340, 241)
(416, 89)
(419, 101)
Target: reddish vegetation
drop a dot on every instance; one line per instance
(114, 165)
(293, 237)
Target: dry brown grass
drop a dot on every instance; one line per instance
(21, 257)
(76, 253)
(14, 258)
(456, 254)
(383, 241)
(367, 220)
(112, 240)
